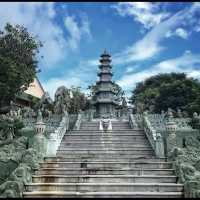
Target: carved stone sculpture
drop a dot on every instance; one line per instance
(62, 99)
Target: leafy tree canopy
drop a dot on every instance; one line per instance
(78, 100)
(163, 91)
(18, 61)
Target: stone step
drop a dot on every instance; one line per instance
(137, 141)
(104, 134)
(108, 165)
(103, 171)
(121, 126)
(97, 125)
(103, 147)
(106, 151)
(57, 194)
(106, 137)
(99, 142)
(97, 128)
(120, 122)
(113, 140)
(108, 134)
(105, 187)
(113, 124)
(119, 130)
(132, 131)
(120, 159)
(76, 141)
(103, 156)
(103, 178)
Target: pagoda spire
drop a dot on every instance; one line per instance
(105, 51)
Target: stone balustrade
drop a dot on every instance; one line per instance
(154, 137)
(55, 137)
(163, 132)
(78, 121)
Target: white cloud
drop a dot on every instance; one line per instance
(150, 45)
(197, 28)
(53, 83)
(38, 18)
(129, 69)
(185, 63)
(146, 13)
(180, 32)
(83, 75)
(76, 30)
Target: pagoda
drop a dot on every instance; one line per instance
(104, 100)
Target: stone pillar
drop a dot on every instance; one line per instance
(179, 113)
(159, 146)
(195, 121)
(109, 126)
(39, 140)
(53, 144)
(171, 128)
(100, 125)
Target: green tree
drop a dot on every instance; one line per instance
(78, 100)
(18, 62)
(119, 93)
(174, 90)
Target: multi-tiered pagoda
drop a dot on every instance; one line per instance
(105, 103)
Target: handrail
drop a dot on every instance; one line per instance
(154, 137)
(55, 137)
(78, 122)
(132, 121)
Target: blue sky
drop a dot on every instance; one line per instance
(144, 39)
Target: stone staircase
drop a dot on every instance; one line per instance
(92, 163)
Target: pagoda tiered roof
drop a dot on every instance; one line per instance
(104, 72)
(105, 54)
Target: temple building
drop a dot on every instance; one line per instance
(104, 100)
(34, 92)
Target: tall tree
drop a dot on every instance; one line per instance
(78, 100)
(18, 62)
(174, 90)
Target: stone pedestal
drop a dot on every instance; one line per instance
(170, 136)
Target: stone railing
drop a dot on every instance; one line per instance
(185, 157)
(154, 137)
(160, 132)
(138, 119)
(21, 155)
(51, 124)
(55, 137)
(132, 121)
(78, 121)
